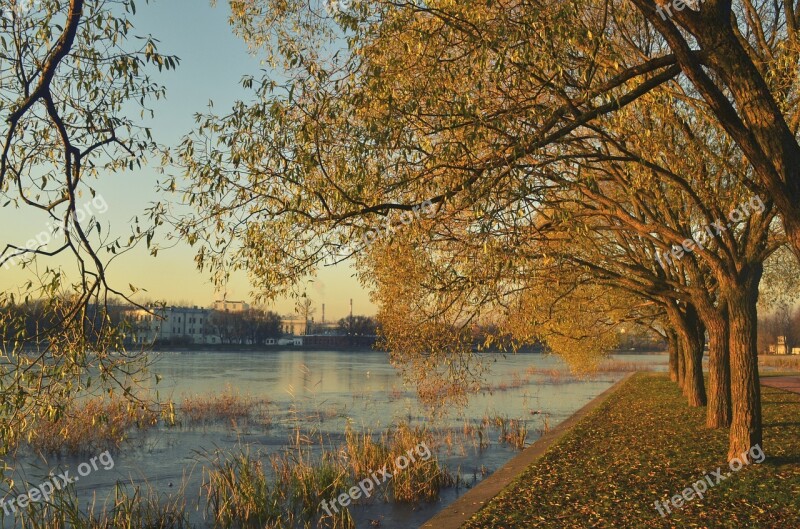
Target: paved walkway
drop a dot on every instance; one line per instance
(791, 383)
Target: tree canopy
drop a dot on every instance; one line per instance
(565, 147)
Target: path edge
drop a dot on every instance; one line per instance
(456, 514)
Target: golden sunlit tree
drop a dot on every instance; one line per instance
(495, 113)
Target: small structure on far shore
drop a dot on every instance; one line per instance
(782, 348)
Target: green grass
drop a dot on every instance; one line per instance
(644, 444)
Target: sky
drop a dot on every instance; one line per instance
(213, 61)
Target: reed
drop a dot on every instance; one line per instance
(621, 366)
(396, 393)
(228, 406)
(132, 507)
(551, 376)
(241, 493)
(91, 426)
(422, 479)
(780, 362)
(563, 376)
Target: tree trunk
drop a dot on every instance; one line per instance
(718, 414)
(681, 365)
(691, 338)
(791, 226)
(695, 344)
(672, 344)
(745, 389)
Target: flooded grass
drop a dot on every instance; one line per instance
(98, 424)
(552, 375)
(133, 507)
(564, 376)
(621, 366)
(91, 426)
(516, 382)
(513, 432)
(290, 492)
(225, 407)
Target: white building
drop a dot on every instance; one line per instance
(195, 325)
(294, 325)
(170, 323)
(231, 306)
(781, 347)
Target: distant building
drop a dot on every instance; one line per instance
(170, 324)
(782, 348)
(194, 325)
(327, 328)
(294, 325)
(231, 306)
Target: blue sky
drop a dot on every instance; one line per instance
(213, 61)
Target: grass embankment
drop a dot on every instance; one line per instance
(642, 445)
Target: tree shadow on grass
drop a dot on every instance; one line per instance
(779, 461)
(780, 424)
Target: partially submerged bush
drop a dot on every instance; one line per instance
(91, 426)
(226, 406)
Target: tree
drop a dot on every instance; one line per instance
(358, 326)
(261, 325)
(68, 81)
(305, 309)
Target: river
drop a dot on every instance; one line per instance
(321, 392)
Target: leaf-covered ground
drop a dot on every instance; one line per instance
(645, 444)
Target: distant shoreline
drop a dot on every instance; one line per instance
(356, 348)
(238, 348)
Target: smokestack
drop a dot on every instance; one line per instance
(351, 307)
(323, 313)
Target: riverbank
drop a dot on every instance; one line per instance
(643, 445)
